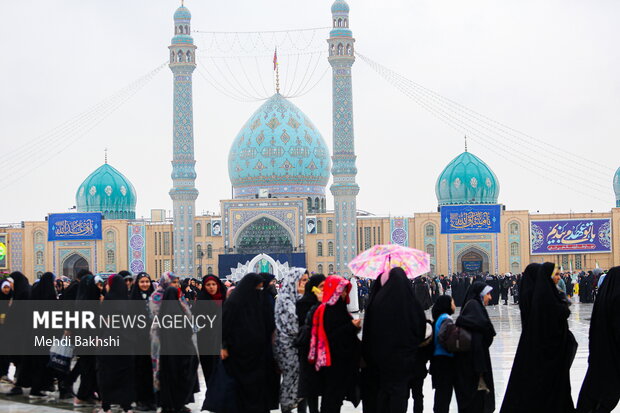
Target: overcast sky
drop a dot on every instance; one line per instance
(546, 68)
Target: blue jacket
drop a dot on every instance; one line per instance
(439, 350)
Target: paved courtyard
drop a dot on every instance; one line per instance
(507, 323)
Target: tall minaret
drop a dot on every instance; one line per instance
(344, 189)
(183, 192)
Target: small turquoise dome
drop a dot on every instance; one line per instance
(182, 13)
(107, 191)
(467, 180)
(279, 150)
(617, 187)
(340, 6)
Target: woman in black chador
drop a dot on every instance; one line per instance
(394, 327)
(309, 381)
(247, 331)
(141, 290)
(115, 374)
(178, 361)
(600, 391)
(474, 388)
(540, 380)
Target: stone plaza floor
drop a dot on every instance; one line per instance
(507, 324)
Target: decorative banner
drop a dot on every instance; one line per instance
(72, 227)
(570, 236)
(472, 266)
(399, 231)
(137, 250)
(216, 227)
(311, 225)
(3, 251)
(471, 219)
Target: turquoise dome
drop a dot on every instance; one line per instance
(279, 150)
(617, 187)
(340, 6)
(182, 13)
(467, 180)
(107, 191)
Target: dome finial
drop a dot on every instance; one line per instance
(277, 69)
(105, 151)
(465, 143)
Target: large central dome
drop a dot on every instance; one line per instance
(467, 180)
(279, 150)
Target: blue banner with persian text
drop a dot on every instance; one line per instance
(72, 227)
(470, 219)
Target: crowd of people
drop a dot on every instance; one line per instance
(293, 345)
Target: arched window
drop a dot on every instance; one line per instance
(198, 229)
(339, 22)
(109, 236)
(110, 258)
(171, 56)
(38, 237)
(323, 205)
(309, 204)
(39, 257)
(340, 49)
(198, 250)
(349, 50)
(430, 230)
(316, 203)
(430, 250)
(332, 50)
(346, 22)
(330, 249)
(180, 56)
(514, 249)
(330, 269)
(319, 249)
(319, 226)
(209, 270)
(208, 231)
(189, 56)
(319, 269)
(432, 268)
(186, 29)
(514, 228)
(514, 268)
(330, 227)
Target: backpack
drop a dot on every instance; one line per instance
(453, 338)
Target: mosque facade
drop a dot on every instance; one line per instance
(279, 166)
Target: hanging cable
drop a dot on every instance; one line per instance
(475, 133)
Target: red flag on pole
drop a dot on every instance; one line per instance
(275, 59)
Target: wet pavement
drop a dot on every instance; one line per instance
(506, 320)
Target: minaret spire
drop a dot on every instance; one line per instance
(183, 192)
(276, 67)
(344, 188)
(465, 143)
(105, 151)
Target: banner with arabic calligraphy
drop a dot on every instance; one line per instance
(71, 227)
(470, 219)
(570, 236)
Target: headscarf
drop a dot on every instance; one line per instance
(286, 319)
(309, 298)
(21, 286)
(4, 296)
(526, 291)
(319, 353)
(118, 289)
(45, 288)
(136, 293)
(87, 289)
(220, 294)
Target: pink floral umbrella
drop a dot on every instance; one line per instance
(382, 258)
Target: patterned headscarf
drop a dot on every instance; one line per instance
(319, 353)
